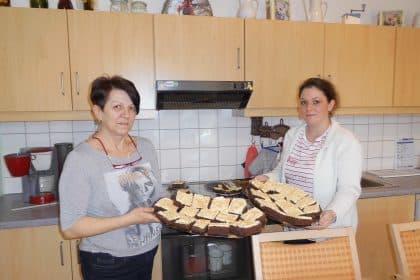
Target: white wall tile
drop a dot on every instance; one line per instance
(12, 185)
(189, 138)
(227, 137)
(170, 175)
(227, 155)
(376, 119)
(240, 173)
(364, 149)
(361, 119)
(36, 127)
(404, 130)
(374, 163)
(227, 172)
(190, 158)
(79, 137)
(190, 174)
(208, 138)
(169, 159)
(376, 132)
(374, 149)
(415, 129)
(169, 139)
(11, 143)
(390, 132)
(84, 126)
(391, 119)
(209, 173)
(12, 127)
(209, 157)
(416, 118)
(243, 136)
(207, 118)
(403, 119)
(241, 154)
(60, 137)
(38, 140)
(388, 149)
(152, 135)
(188, 119)
(225, 119)
(243, 122)
(348, 119)
(362, 132)
(387, 163)
(149, 124)
(61, 126)
(169, 119)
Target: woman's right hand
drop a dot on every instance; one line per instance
(143, 215)
(262, 178)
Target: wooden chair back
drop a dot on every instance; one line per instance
(335, 257)
(406, 243)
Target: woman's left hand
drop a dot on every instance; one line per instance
(326, 218)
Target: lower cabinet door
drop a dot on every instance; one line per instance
(34, 253)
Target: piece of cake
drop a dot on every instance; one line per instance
(165, 204)
(305, 201)
(226, 217)
(258, 193)
(220, 203)
(237, 206)
(296, 195)
(220, 229)
(253, 214)
(184, 223)
(184, 197)
(208, 214)
(200, 201)
(246, 228)
(285, 205)
(200, 226)
(167, 217)
(189, 211)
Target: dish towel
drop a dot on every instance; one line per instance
(251, 154)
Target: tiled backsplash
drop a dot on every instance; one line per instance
(206, 144)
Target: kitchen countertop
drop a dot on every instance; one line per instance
(48, 215)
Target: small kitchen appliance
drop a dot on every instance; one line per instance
(40, 183)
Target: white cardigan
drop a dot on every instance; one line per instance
(337, 174)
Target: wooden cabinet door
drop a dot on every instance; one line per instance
(359, 60)
(373, 238)
(112, 44)
(37, 253)
(199, 48)
(34, 62)
(407, 65)
(280, 55)
(75, 260)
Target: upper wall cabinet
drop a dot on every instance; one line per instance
(407, 77)
(359, 60)
(199, 48)
(279, 55)
(34, 60)
(113, 44)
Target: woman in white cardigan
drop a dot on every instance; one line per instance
(321, 157)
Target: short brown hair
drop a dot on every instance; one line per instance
(325, 86)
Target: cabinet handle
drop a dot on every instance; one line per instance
(319, 75)
(77, 84)
(238, 58)
(61, 253)
(78, 251)
(62, 83)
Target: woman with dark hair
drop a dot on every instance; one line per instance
(107, 188)
(321, 157)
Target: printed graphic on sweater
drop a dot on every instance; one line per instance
(130, 188)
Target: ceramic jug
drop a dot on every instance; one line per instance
(247, 8)
(315, 10)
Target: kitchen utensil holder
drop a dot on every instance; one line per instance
(265, 130)
(256, 123)
(279, 130)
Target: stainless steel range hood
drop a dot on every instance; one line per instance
(177, 95)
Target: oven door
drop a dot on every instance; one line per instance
(187, 256)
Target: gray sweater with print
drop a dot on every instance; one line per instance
(90, 186)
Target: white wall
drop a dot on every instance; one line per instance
(228, 8)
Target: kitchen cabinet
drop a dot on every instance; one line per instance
(34, 59)
(111, 43)
(373, 238)
(34, 253)
(279, 55)
(49, 57)
(199, 48)
(407, 65)
(359, 60)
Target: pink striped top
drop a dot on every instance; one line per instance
(300, 165)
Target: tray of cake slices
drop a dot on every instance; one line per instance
(210, 216)
(284, 203)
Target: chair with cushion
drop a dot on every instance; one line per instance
(333, 256)
(406, 242)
